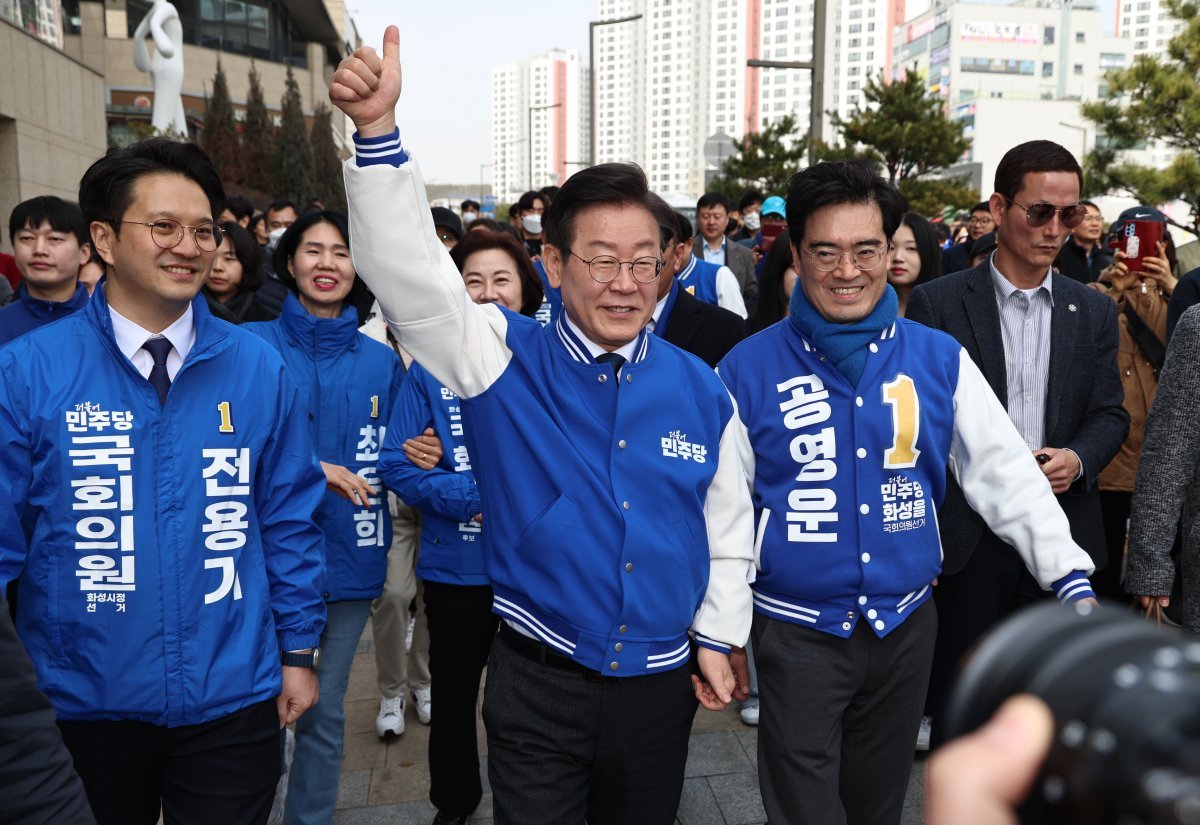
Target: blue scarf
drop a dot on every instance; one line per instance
(844, 344)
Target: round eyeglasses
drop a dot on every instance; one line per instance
(604, 269)
(1040, 213)
(168, 234)
(865, 259)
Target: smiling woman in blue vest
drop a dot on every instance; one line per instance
(348, 383)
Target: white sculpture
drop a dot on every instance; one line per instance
(165, 67)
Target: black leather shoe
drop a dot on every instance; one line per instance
(449, 819)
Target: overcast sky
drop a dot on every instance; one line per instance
(447, 49)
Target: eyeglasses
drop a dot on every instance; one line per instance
(865, 259)
(984, 221)
(168, 234)
(604, 269)
(1040, 213)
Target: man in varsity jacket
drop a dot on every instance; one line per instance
(848, 417)
(618, 519)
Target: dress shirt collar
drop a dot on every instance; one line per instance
(1005, 288)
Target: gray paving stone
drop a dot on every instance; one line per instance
(748, 739)
(737, 797)
(404, 813)
(697, 806)
(716, 753)
(353, 789)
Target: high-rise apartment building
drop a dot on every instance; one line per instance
(1148, 23)
(539, 122)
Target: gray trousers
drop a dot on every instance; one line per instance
(839, 719)
(399, 671)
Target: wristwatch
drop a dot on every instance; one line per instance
(310, 659)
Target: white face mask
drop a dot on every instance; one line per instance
(532, 224)
(752, 220)
(468, 217)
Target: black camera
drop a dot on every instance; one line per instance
(1125, 695)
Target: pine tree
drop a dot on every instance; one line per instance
(1157, 99)
(258, 138)
(327, 166)
(220, 138)
(292, 170)
(905, 126)
(762, 160)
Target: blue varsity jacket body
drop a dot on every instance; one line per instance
(447, 496)
(699, 278)
(617, 517)
(166, 554)
(348, 384)
(847, 480)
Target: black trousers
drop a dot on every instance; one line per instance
(221, 772)
(565, 745)
(461, 629)
(993, 584)
(1114, 508)
(838, 719)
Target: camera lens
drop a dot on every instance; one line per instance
(1126, 702)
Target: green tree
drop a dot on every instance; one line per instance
(762, 160)
(220, 138)
(258, 138)
(1154, 100)
(931, 196)
(327, 166)
(905, 126)
(292, 170)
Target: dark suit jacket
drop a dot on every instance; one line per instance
(741, 261)
(1083, 400)
(38, 784)
(705, 330)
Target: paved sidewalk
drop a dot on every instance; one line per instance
(388, 783)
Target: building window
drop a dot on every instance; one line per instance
(1078, 68)
(1047, 69)
(1048, 36)
(256, 28)
(1079, 37)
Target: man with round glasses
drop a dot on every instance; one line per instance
(958, 256)
(157, 485)
(1047, 346)
(847, 417)
(618, 519)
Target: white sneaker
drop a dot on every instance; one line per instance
(749, 712)
(390, 721)
(924, 733)
(424, 700)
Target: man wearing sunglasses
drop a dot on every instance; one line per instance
(157, 485)
(1048, 348)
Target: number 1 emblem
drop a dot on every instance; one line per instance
(226, 425)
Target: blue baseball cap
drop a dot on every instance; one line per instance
(774, 205)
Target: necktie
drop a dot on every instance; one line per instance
(158, 348)
(617, 361)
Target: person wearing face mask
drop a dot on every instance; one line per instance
(470, 212)
(458, 598)
(530, 209)
(748, 206)
(916, 257)
(348, 384)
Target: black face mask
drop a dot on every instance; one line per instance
(731, 227)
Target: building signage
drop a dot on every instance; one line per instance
(991, 31)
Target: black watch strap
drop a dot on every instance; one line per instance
(308, 660)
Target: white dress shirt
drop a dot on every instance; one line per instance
(130, 338)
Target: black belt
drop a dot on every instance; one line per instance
(543, 654)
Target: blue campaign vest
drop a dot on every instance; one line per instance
(847, 480)
(452, 545)
(171, 551)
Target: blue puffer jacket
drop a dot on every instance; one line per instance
(171, 549)
(447, 496)
(348, 384)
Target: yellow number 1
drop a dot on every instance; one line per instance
(226, 418)
(374, 406)
(906, 422)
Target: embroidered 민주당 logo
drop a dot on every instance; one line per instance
(675, 445)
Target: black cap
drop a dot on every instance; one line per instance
(983, 244)
(1141, 213)
(445, 219)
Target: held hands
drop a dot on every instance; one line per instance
(300, 692)
(725, 677)
(348, 485)
(367, 87)
(1061, 470)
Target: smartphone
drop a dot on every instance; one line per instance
(1139, 240)
(769, 233)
